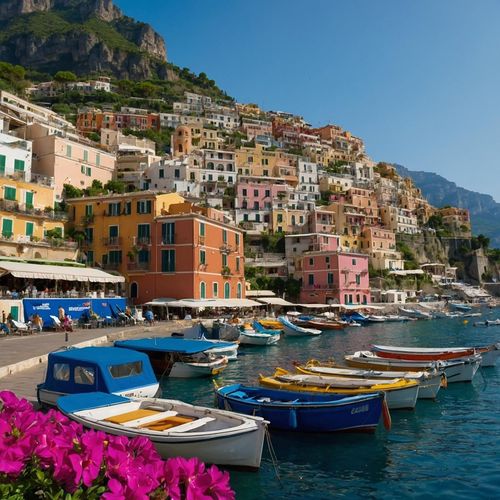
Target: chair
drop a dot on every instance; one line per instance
(56, 323)
(138, 317)
(20, 327)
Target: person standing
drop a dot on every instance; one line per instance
(61, 314)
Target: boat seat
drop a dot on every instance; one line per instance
(131, 415)
(157, 417)
(194, 425)
(168, 422)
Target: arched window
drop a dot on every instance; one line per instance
(227, 290)
(134, 290)
(203, 290)
(238, 292)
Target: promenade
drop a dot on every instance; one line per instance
(23, 360)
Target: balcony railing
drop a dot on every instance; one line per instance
(25, 209)
(138, 266)
(113, 241)
(87, 219)
(143, 240)
(112, 266)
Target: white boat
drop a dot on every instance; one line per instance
(372, 318)
(175, 428)
(456, 370)
(296, 331)
(250, 336)
(415, 313)
(429, 381)
(395, 318)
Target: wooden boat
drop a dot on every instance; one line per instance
(178, 358)
(294, 330)
(251, 336)
(91, 369)
(198, 331)
(271, 324)
(400, 393)
(456, 370)
(174, 427)
(430, 381)
(302, 412)
(318, 323)
(422, 353)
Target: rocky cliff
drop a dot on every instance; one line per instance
(83, 36)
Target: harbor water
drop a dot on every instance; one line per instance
(448, 448)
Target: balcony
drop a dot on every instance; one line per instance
(112, 266)
(87, 219)
(114, 241)
(138, 266)
(226, 249)
(23, 208)
(143, 240)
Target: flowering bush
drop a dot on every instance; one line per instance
(46, 455)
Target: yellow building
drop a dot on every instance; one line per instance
(117, 229)
(27, 210)
(286, 220)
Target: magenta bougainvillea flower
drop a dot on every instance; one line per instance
(49, 452)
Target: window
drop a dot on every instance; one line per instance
(114, 209)
(255, 192)
(311, 279)
(224, 236)
(115, 257)
(203, 259)
(85, 155)
(9, 193)
(244, 192)
(7, 226)
(168, 233)
(265, 173)
(2, 164)
(224, 260)
(144, 233)
(256, 205)
(237, 239)
(89, 210)
(237, 263)
(330, 278)
(29, 228)
(68, 151)
(177, 173)
(89, 234)
(167, 261)
(88, 171)
(128, 208)
(161, 173)
(203, 289)
(280, 218)
(143, 256)
(144, 206)
(84, 375)
(311, 261)
(268, 193)
(97, 159)
(61, 372)
(227, 290)
(29, 199)
(18, 165)
(238, 291)
(353, 262)
(358, 280)
(126, 369)
(327, 259)
(202, 229)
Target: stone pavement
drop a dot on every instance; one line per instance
(23, 359)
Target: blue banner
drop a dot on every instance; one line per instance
(76, 308)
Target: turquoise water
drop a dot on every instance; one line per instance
(447, 448)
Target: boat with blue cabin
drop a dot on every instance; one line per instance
(90, 369)
(301, 412)
(180, 358)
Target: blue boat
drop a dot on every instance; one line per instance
(181, 358)
(354, 316)
(97, 369)
(302, 412)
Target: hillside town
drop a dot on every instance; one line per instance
(241, 199)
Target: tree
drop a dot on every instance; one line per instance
(115, 186)
(71, 191)
(65, 77)
(435, 222)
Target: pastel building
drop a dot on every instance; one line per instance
(335, 277)
(380, 245)
(15, 153)
(399, 220)
(308, 186)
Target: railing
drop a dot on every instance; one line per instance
(138, 266)
(87, 219)
(143, 240)
(112, 266)
(112, 241)
(23, 208)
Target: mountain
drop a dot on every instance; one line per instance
(82, 36)
(484, 210)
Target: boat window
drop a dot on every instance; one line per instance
(61, 371)
(84, 375)
(126, 369)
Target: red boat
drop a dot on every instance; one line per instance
(320, 324)
(422, 353)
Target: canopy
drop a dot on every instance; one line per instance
(314, 306)
(62, 273)
(168, 344)
(275, 301)
(259, 293)
(407, 272)
(88, 401)
(204, 303)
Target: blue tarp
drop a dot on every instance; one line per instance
(89, 400)
(72, 307)
(167, 344)
(99, 360)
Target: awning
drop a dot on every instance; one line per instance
(314, 306)
(259, 293)
(275, 301)
(205, 303)
(407, 272)
(60, 273)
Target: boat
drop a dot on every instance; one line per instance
(97, 369)
(422, 353)
(457, 306)
(396, 317)
(456, 370)
(221, 330)
(430, 381)
(198, 332)
(271, 324)
(258, 335)
(180, 358)
(293, 330)
(415, 313)
(488, 322)
(400, 393)
(302, 412)
(174, 427)
(372, 318)
(354, 316)
(319, 323)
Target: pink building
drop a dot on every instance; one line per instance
(321, 221)
(335, 277)
(254, 195)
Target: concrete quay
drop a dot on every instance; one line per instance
(23, 360)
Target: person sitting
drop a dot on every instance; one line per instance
(149, 316)
(5, 328)
(36, 323)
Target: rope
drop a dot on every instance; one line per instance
(273, 456)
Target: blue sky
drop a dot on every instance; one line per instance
(419, 81)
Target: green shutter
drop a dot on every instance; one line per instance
(10, 193)
(19, 165)
(7, 226)
(29, 199)
(29, 228)
(2, 164)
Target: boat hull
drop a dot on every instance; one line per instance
(489, 355)
(258, 338)
(197, 370)
(292, 330)
(414, 354)
(316, 415)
